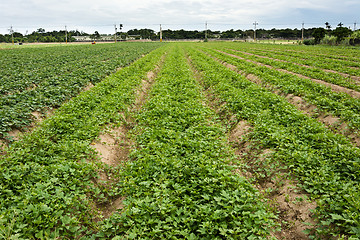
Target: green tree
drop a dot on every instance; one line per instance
(328, 26)
(96, 35)
(41, 30)
(340, 33)
(229, 34)
(318, 34)
(355, 38)
(144, 33)
(2, 38)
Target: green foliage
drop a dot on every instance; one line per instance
(329, 40)
(180, 185)
(340, 33)
(36, 79)
(355, 38)
(339, 104)
(326, 163)
(143, 33)
(318, 34)
(356, 34)
(309, 42)
(47, 177)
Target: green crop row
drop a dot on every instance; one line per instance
(308, 72)
(306, 58)
(24, 68)
(46, 178)
(326, 164)
(180, 184)
(34, 79)
(336, 103)
(344, 55)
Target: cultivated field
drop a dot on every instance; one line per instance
(180, 141)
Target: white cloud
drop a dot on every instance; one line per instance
(86, 14)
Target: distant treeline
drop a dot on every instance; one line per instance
(41, 36)
(61, 36)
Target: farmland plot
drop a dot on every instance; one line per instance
(320, 96)
(50, 179)
(33, 80)
(205, 144)
(326, 163)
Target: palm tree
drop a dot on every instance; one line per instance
(328, 26)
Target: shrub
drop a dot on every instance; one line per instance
(329, 40)
(355, 38)
(309, 42)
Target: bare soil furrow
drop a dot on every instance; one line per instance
(114, 145)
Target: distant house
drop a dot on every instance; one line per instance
(82, 38)
(89, 38)
(133, 37)
(108, 37)
(105, 37)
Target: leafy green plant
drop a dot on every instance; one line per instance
(339, 104)
(47, 177)
(42, 78)
(180, 184)
(325, 163)
(309, 42)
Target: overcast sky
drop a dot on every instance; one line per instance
(101, 15)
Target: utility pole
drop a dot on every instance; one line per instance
(65, 34)
(160, 34)
(115, 31)
(206, 31)
(255, 23)
(302, 32)
(12, 34)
